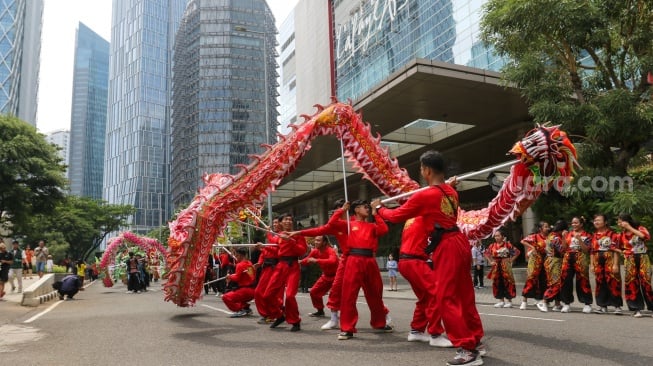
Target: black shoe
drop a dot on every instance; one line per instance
(295, 328)
(386, 329)
(343, 336)
(278, 322)
(317, 314)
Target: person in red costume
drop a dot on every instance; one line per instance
(237, 300)
(285, 276)
(639, 292)
(325, 257)
(606, 250)
(437, 208)
(361, 270)
(267, 261)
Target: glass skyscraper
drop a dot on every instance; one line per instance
(138, 119)
(20, 49)
(373, 39)
(224, 68)
(88, 121)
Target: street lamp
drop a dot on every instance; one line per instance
(265, 87)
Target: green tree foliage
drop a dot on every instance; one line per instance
(80, 222)
(582, 64)
(32, 175)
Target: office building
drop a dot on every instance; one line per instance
(61, 138)
(137, 160)
(224, 69)
(88, 113)
(20, 49)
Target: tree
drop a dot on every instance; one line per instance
(32, 176)
(81, 221)
(582, 64)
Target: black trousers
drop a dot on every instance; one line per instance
(478, 276)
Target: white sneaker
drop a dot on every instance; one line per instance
(507, 305)
(637, 314)
(440, 341)
(587, 309)
(523, 305)
(565, 308)
(617, 310)
(542, 306)
(499, 304)
(556, 308)
(415, 336)
(330, 325)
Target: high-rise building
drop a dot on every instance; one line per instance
(20, 49)
(61, 138)
(305, 61)
(89, 113)
(224, 90)
(136, 170)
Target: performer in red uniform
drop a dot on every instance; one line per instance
(267, 261)
(325, 257)
(555, 246)
(237, 300)
(575, 262)
(361, 270)
(605, 260)
(452, 258)
(535, 246)
(501, 255)
(637, 265)
(285, 276)
(413, 267)
(332, 227)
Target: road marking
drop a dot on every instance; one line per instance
(217, 309)
(49, 309)
(523, 317)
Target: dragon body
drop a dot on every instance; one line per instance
(544, 154)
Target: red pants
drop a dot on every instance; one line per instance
(319, 289)
(237, 300)
(422, 280)
(285, 276)
(259, 293)
(335, 295)
(361, 272)
(455, 298)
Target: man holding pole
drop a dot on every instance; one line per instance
(436, 207)
(267, 261)
(325, 257)
(242, 281)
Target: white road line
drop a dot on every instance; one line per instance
(524, 317)
(217, 309)
(49, 309)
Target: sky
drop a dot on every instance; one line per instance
(58, 52)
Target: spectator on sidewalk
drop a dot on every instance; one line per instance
(27, 262)
(81, 271)
(391, 265)
(49, 264)
(41, 253)
(478, 261)
(16, 270)
(5, 262)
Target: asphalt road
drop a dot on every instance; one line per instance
(106, 326)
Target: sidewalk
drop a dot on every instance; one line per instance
(15, 296)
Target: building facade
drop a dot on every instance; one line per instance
(224, 90)
(20, 50)
(88, 113)
(137, 160)
(61, 138)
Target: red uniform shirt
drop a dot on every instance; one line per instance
(325, 258)
(574, 245)
(422, 210)
(504, 251)
(633, 244)
(538, 242)
(365, 235)
(269, 252)
(244, 274)
(335, 226)
(604, 241)
(294, 247)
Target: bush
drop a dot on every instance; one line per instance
(58, 269)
